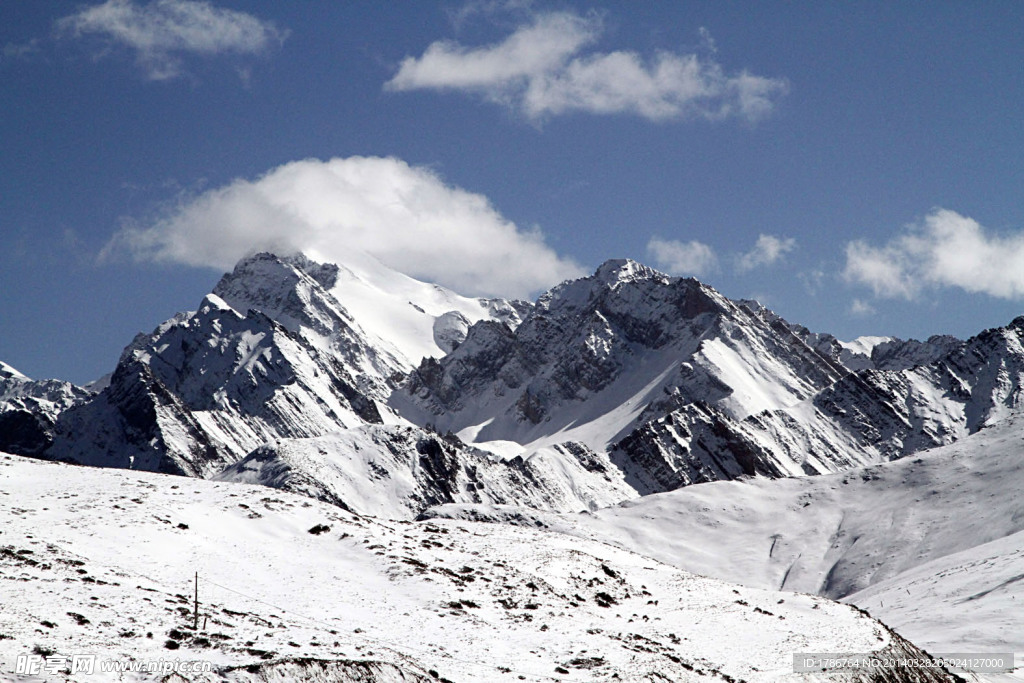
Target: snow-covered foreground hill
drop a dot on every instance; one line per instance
(933, 545)
(101, 562)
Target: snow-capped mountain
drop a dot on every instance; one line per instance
(271, 353)
(29, 408)
(339, 380)
(600, 359)
(361, 308)
(680, 385)
(103, 567)
(47, 397)
(595, 353)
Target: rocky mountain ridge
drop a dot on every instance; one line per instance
(303, 376)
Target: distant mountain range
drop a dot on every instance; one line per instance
(334, 380)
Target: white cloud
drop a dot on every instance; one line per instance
(945, 250)
(767, 250)
(859, 307)
(405, 216)
(542, 69)
(162, 30)
(19, 51)
(499, 70)
(812, 280)
(682, 258)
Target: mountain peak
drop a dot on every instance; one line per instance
(266, 263)
(614, 271)
(8, 372)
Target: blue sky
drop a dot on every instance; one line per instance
(855, 166)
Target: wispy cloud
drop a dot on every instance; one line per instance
(682, 258)
(696, 258)
(545, 68)
(767, 250)
(406, 216)
(460, 15)
(859, 307)
(945, 250)
(162, 31)
(812, 280)
(26, 50)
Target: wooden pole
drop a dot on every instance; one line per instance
(195, 618)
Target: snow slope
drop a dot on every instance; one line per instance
(415, 319)
(932, 544)
(397, 472)
(102, 562)
(966, 600)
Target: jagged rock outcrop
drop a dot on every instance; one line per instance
(864, 417)
(29, 409)
(206, 388)
(694, 444)
(627, 333)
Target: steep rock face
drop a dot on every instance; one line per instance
(626, 336)
(205, 389)
(695, 444)
(865, 353)
(25, 432)
(135, 423)
(295, 293)
(862, 418)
